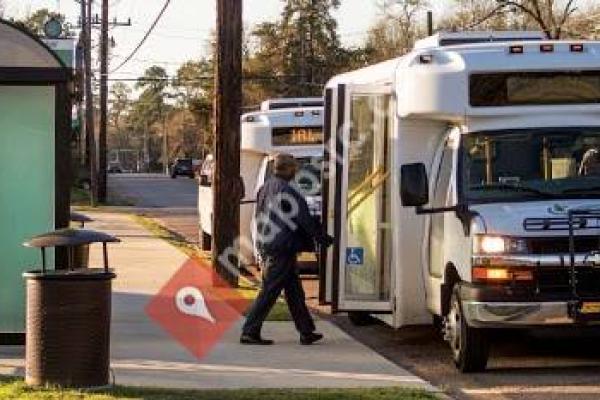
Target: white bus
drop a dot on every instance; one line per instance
(275, 129)
(496, 146)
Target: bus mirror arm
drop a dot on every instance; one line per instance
(463, 213)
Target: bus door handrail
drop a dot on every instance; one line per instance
(375, 184)
(368, 179)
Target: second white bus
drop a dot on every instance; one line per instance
(274, 129)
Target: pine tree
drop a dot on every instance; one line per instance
(302, 48)
(311, 39)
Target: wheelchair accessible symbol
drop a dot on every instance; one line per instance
(355, 256)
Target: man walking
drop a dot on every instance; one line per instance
(284, 226)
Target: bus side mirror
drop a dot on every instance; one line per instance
(414, 185)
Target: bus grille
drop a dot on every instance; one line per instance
(560, 245)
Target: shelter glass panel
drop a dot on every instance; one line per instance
(27, 165)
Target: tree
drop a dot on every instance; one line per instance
(395, 33)
(194, 123)
(195, 85)
(265, 58)
(478, 14)
(584, 24)
(297, 54)
(35, 22)
(150, 105)
(147, 114)
(550, 15)
(310, 39)
(119, 103)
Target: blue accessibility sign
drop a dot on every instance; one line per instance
(355, 256)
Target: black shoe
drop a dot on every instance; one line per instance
(310, 338)
(257, 340)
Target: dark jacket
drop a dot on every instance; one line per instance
(284, 222)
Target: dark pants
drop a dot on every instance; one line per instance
(279, 273)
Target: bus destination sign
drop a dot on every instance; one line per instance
(297, 136)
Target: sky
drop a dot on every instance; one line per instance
(185, 28)
(183, 31)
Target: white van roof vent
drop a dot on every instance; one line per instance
(280, 104)
(442, 39)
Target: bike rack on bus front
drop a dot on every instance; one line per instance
(582, 309)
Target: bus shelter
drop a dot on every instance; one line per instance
(35, 132)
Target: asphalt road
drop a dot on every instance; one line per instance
(525, 365)
(154, 190)
(171, 201)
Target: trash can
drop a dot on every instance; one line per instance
(68, 316)
(81, 254)
(80, 219)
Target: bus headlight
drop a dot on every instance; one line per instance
(491, 244)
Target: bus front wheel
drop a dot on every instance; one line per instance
(470, 346)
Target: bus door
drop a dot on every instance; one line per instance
(362, 267)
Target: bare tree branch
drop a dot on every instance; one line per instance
(485, 18)
(534, 13)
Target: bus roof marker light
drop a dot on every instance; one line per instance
(546, 48)
(577, 48)
(426, 58)
(316, 112)
(299, 114)
(518, 49)
(250, 118)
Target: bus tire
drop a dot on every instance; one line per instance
(360, 318)
(470, 346)
(438, 324)
(205, 240)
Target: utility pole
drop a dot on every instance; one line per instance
(86, 26)
(165, 145)
(228, 103)
(146, 166)
(103, 103)
(311, 43)
(82, 149)
(430, 27)
(104, 45)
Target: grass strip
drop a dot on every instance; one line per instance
(247, 289)
(16, 389)
(80, 198)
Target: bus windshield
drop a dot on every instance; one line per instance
(308, 178)
(515, 165)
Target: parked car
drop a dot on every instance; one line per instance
(114, 168)
(184, 167)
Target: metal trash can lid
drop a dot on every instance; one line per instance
(77, 217)
(69, 238)
(88, 274)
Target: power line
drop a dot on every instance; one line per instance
(151, 61)
(162, 12)
(203, 79)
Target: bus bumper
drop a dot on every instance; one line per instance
(510, 314)
(484, 308)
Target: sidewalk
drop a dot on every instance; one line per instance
(144, 354)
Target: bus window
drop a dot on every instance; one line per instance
(308, 178)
